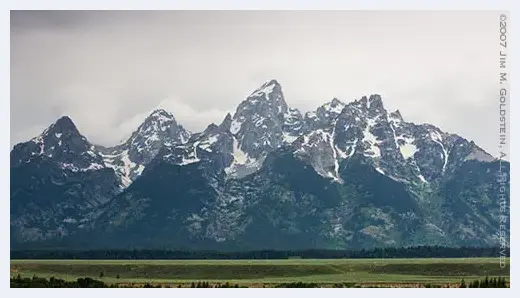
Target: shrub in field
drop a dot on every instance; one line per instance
(343, 285)
(90, 283)
(148, 285)
(431, 286)
(297, 285)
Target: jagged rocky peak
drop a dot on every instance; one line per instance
(365, 112)
(258, 121)
(395, 116)
(261, 123)
(159, 112)
(160, 116)
(61, 142)
(66, 125)
(375, 102)
(63, 128)
(212, 129)
(271, 90)
(326, 113)
(370, 107)
(159, 128)
(268, 99)
(226, 123)
(161, 124)
(130, 158)
(335, 106)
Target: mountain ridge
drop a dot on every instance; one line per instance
(233, 186)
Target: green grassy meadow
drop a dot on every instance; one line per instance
(435, 271)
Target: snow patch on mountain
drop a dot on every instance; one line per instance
(191, 155)
(289, 138)
(408, 150)
(241, 160)
(437, 138)
(319, 150)
(341, 154)
(239, 156)
(420, 176)
(122, 165)
(334, 175)
(207, 143)
(74, 168)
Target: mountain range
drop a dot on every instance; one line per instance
(345, 176)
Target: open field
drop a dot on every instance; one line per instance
(370, 272)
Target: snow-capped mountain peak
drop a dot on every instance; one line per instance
(130, 158)
(258, 120)
(334, 106)
(60, 143)
(261, 123)
(160, 124)
(269, 97)
(161, 113)
(268, 88)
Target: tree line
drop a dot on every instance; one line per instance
(39, 282)
(147, 254)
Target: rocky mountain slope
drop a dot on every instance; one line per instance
(347, 175)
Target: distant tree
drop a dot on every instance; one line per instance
(463, 284)
(502, 282)
(101, 274)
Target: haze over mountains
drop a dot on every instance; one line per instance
(347, 175)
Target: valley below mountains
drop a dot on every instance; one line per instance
(344, 176)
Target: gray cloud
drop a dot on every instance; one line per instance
(108, 70)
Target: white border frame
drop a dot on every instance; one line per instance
(499, 5)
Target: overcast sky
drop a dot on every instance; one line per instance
(108, 70)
